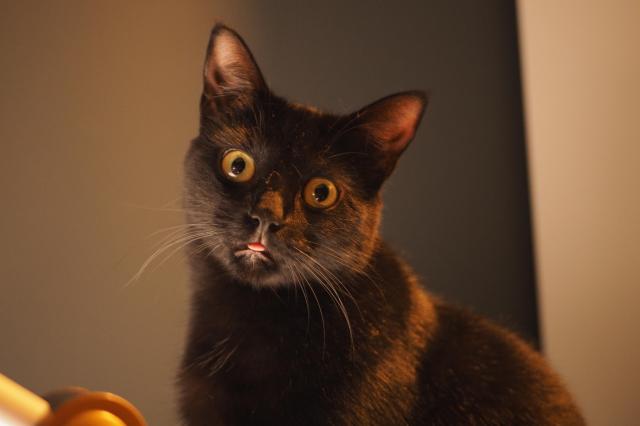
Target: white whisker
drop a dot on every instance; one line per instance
(172, 241)
(326, 283)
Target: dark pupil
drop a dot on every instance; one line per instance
(321, 192)
(237, 166)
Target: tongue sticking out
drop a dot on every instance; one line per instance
(256, 247)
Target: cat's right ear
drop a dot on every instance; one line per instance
(232, 78)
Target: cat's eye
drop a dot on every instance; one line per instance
(237, 166)
(320, 193)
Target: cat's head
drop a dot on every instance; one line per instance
(281, 192)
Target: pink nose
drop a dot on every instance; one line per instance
(256, 247)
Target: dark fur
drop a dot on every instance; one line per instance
(268, 345)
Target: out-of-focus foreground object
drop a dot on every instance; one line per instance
(21, 407)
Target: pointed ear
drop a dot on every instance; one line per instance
(231, 76)
(389, 125)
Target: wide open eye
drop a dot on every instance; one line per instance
(237, 166)
(320, 193)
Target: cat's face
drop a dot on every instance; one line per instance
(282, 193)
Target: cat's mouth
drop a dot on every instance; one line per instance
(257, 263)
(253, 253)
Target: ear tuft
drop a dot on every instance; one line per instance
(230, 70)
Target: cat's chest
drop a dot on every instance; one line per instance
(266, 377)
(249, 352)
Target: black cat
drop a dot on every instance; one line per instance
(301, 314)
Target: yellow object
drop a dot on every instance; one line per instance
(95, 409)
(95, 417)
(19, 405)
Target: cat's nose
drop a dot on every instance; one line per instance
(264, 221)
(268, 213)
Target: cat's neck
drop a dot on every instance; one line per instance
(381, 293)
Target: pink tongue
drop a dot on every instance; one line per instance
(256, 247)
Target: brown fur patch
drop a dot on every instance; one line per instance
(307, 108)
(389, 390)
(271, 201)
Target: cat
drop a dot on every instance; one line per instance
(301, 314)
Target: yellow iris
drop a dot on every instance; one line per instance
(238, 166)
(320, 193)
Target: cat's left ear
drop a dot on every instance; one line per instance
(389, 125)
(232, 78)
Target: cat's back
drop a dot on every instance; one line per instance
(475, 372)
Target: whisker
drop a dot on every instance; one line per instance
(343, 259)
(182, 241)
(335, 280)
(340, 154)
(330, 290)
(297, 284)
(315, 296)
(199, 249)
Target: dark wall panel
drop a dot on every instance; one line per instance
(457, 206)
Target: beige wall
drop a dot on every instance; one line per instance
(581, 64)
(98, 102)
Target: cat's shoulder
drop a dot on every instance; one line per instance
(476, 370)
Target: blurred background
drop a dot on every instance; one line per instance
(99, 101)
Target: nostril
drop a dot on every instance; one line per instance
(264, 224)
(273, 227)
(252, 220)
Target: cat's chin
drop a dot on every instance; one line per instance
(257, 269)
(262, 280)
